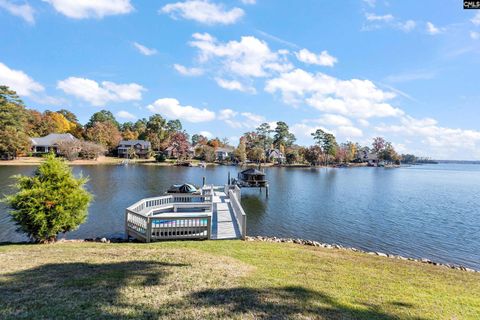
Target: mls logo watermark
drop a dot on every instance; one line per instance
(471, 4)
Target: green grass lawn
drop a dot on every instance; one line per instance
(225, 279)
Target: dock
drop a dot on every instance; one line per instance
(216, 213)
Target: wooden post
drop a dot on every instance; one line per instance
(149, 230)
(203, 181)
(266, 190)
(244, 227)
(228, 181)
(209, 227)
(126, 224)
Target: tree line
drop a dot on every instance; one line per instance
(102, 134)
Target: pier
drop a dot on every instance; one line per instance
(216, 213)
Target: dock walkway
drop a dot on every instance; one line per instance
(224, 223)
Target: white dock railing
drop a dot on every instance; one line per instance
(144, 221)
(158, 218)
(234, 195)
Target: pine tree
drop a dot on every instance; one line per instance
(53, 201)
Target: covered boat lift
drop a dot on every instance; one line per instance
(252, 178)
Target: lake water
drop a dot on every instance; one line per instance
(429, 211)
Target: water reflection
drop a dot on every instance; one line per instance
(423, 211)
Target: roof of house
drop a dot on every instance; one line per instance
(274, 153)
(51, 139)
(372, 156)
(144, 143)
(171, 148)
(225, 149)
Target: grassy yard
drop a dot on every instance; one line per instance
(225, 279)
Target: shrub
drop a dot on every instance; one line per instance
(91, 151)
(70, 149)
(50, 202)
(160, 157)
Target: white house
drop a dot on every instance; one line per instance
(224, 153)
(275, 155)
(49, 143)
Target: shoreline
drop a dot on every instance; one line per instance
(302, 242)
(305, 242)
(106, 161)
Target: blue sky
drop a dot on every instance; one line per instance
(406, 70)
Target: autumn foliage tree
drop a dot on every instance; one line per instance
(241, 151)
(104, 133)
(13, 124)
(179, 142)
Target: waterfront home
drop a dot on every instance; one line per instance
(224, 153)
(50, 142)
(191, 152)
(275, 156)
(372, 159)
(142, 148)
(172, 152)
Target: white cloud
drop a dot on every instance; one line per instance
(474, 35)
(254, 118)
(432, 29)
(246, 120)
(374, 17)
(249, 1)
(234, 85)
(206, 134)
(193, 72)
(374, 22)
(91, 8)
(322, 59)
(203, 11)
(99, 94)
(249, 57)
(144, 50)
(19, 81)
(303, 130)
(24, 11)
(407, 26)
(439, 142)
(349, 132)
(226, 114)
(371, 3)
(126, 115)
(355, 98)
(411, 76)
(334, 120)
(363, 122)
(172, 108)
(476, 19)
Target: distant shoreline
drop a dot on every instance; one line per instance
(104, 160)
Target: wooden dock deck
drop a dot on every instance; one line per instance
(224, 222)
(177, 216)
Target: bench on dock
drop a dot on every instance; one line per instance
(216, 213)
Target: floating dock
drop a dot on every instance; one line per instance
(216, 213)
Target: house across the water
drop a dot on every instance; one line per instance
(276, 156)
(142, 148)
(49, 143)
(224, 153)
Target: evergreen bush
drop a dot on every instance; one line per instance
(50, 202)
